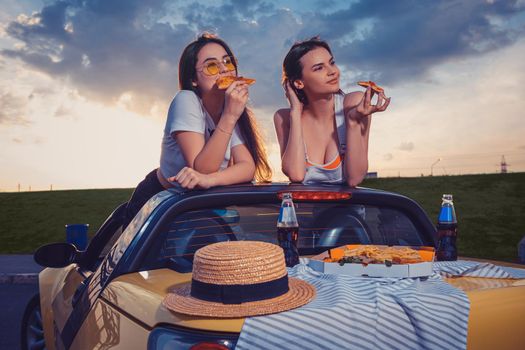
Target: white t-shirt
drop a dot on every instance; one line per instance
(187, 113)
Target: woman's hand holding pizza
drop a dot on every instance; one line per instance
(365, 107)
(235, 100)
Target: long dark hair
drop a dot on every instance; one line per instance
(292, 67)
(247, 124)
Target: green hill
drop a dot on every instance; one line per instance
(490, 210)
(31, 219)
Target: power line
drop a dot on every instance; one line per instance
(472, 155)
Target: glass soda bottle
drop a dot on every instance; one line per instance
(447, 231)
(288, 230)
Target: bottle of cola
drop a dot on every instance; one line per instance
(447, 231)
(288, 230)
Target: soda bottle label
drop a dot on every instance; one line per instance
(447, 231)
(287, 217)
(447, 213)
(288, 231)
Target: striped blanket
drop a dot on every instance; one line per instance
(365, 313)
(374, 313)
(476, 269)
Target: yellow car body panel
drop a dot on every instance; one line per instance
(497, 318)
(150, 287)
(48, 288)
(497, 311)
(131, 306)
(107, 328)
(56, 288)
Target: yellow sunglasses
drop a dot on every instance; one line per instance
(212, 67)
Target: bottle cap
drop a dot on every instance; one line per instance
(447, 197)
(287, 217)
(287, 195)
(447, 214)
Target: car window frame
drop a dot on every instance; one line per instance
(204, 200)
(105, 234)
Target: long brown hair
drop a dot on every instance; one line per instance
(292, 67)
(247, 124)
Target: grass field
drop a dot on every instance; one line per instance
(490, 210)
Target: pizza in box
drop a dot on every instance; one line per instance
(377, 254)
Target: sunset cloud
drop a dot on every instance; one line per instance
(135, 45)
(13, 111)
(406, 146)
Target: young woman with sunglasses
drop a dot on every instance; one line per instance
(323, 136)
(210, 137)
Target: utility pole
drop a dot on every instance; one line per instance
(503, 165)
(432, 167)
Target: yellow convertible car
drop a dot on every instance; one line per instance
(110, 296)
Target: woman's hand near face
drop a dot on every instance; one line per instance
(296, 106)
(290, 136)
(365, 107)
(235, 101)
(191, 178)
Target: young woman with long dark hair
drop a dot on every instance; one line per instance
(210, 137)
(323, 136)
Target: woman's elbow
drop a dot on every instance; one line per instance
(355, 179)
(251, 170)
(245, 171)
(202, 167)
(294, 176)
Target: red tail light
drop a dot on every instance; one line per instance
(316, 195)
(209, 346)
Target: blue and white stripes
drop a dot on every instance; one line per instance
(365, 313)
(476, 269)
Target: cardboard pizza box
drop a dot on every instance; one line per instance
(422, 269)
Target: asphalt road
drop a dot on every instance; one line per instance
(13, 300)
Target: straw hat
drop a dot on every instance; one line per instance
(239, 279)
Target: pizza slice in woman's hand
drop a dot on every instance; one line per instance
(224, 82)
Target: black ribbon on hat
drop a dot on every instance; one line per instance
(239, 293)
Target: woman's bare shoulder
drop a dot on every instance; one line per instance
(353, 98)
(282, 116)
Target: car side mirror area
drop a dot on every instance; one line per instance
(57, 255)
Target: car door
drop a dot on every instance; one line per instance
(65, 300)
(71, 300)
(107, 327)
(77, 306)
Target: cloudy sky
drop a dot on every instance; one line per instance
(85, 84)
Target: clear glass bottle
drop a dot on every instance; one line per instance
(288, 230)
(447, 231)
